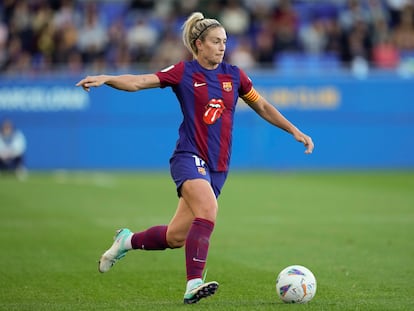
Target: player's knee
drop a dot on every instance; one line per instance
(209, 213)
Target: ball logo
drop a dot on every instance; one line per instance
(295, 272)
(284, 289)
(213, 112)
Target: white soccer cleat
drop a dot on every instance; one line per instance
(199, 291)
(116, 252)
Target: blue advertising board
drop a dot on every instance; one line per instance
(355, 124)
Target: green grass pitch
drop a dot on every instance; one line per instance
(354, 230)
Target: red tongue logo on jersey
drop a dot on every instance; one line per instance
(214, 109)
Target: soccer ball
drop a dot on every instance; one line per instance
(296, 284)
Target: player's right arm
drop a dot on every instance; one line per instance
(127, 82)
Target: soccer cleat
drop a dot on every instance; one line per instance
(116, 252)
(199, 291)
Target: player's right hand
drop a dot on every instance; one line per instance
(91, 81)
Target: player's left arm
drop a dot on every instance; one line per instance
(268, 112)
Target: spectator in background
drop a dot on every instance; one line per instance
(235, 18)
(285, 23)
(313, 36)
(395, 8)
(264, 50)
(385, 55)
(378, 11)
(170, 51)
(92, 36)
(67, 14)
(354, 12)
(380, 31)
(45, 38)
(263, 36)
(43, 32)
(66, 22)
(334, 37)
(12, 149)
(4, 33)
(358, 44)
(65, 44)
(403, 33)
(141, 39)
(242, 55)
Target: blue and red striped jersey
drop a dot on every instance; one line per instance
(208, 101)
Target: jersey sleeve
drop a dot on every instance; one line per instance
(246, 90)
(171, 75)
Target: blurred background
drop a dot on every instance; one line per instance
(341, 70)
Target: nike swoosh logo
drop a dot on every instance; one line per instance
(198, 260)
(196, 84)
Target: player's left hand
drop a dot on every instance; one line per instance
(306, 140)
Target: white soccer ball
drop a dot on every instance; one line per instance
(296, 284)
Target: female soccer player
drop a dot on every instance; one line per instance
(207, 90)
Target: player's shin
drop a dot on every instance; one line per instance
(196, 247)
(153, 238)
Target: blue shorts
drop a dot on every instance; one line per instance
(185, 166)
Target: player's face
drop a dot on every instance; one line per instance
(212, 49)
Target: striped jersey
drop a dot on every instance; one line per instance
(208, 100)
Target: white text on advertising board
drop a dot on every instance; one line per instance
(37, 99)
